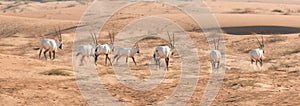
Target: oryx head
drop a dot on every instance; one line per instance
(261, 44)
(172, 42)
(137, 48)
(60, 43)
(217, 42)
(112, 40)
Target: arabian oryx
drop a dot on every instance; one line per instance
(164, 52)
(107, 48)
(51, 45)
(215, 55)
(256, 55)
(88, 50)
(127, 52)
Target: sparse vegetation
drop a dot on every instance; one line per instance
(276, 38)
(277, 10)
(58, 72)
(243, 11)
(244, 83)
(71, 5)
(4, 44)
(297, 50)
(10, 7)
(107, 71)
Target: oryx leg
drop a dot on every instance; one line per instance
(133, 60)
(115, 58)
(167, 62)
(158, 60)
(256, 62)
(50, 55)
(218, 66)
(53, 55)
(81, 60)
(96, 58)
(126, 59)
(212, 64)
(252, 61)
(261, 62)
(108, 59)
(40, 53)
(45, 53)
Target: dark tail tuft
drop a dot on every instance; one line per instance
(37, 48)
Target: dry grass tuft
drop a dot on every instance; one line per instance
(277, 39)
(277, 11)
(4, 44)
(297, 50)
(58, 72)
(244, 83)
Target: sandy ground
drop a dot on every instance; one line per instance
(25, 79)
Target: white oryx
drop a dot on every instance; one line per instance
(51, 45)
(257, 54)
(88, 50)
(107, 48)
(127, 52)
(164, 52)
(215, 55)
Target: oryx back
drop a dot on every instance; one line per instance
(86, 50)
(49, 44)
(162, 51)
(215, 55)
(256, 53)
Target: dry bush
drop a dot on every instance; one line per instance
(297, 50)
(244, 83)
(243, 11)
(4, 44)
(277, 11)
(58, 72)
(276, 38)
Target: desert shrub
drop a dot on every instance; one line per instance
(71, 5)
(58, 72)
(244, 83)
(277, 10)
(10, 6)
(297, 50)
(4, 44)
(277, 39)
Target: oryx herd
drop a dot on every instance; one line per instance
(160, 52)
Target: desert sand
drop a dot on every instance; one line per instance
(27, 80)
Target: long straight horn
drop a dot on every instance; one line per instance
(173, 39)
(218, 42)
(170, 41)
(258, 41)
(60, 38)
(262, 38)
(135, 45)
(112, 36)
(94, 38)
(215, 44)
